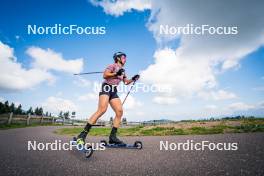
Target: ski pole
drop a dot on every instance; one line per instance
(129, 92)
(87, 73)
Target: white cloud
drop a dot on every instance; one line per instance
(2, 99)
(184, 76)
(56, 104)
(193, 67)
(211, 107)
(14, 77)
(88, 96)
(240, 106)
(163, 100)
(216, 95)
(81, 82)
(6, 53)
(140, 113)
(131, 102)
(261, 104)
(118, 8)
(236, 108)
(49, 59)
(212, 110)
(17, 103)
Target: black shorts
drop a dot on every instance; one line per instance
(110, 90)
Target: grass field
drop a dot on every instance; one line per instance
(20, 125)
(180, 128)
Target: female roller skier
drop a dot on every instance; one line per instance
(113, 75)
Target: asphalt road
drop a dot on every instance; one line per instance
(15, 159)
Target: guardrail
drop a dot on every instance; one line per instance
(11, 118)
(29, 119)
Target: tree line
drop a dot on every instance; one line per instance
(7, 107)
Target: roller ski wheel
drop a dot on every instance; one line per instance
(103, 142)
(88, 151)
(138, 145)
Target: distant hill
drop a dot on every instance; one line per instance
(159, 121)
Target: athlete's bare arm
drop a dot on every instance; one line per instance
(108, 74)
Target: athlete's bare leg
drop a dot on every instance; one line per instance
(116, 105)
(102, 107)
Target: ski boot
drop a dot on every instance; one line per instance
(114, 140)
(80, 140)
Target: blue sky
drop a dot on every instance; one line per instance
(237, 90)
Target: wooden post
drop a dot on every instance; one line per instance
(41, 120)
(63, 121)
(10, 118)
(28, 119)
(53, 120)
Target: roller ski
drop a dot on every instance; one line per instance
(114, 142)
(80, 145)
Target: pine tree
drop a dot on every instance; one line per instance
(36, 111)
(66, 115)
(30, 111)
(6, 107)
(19, 109)
(2, 107)
(12, 108)
(61, 114)
(40, 111)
